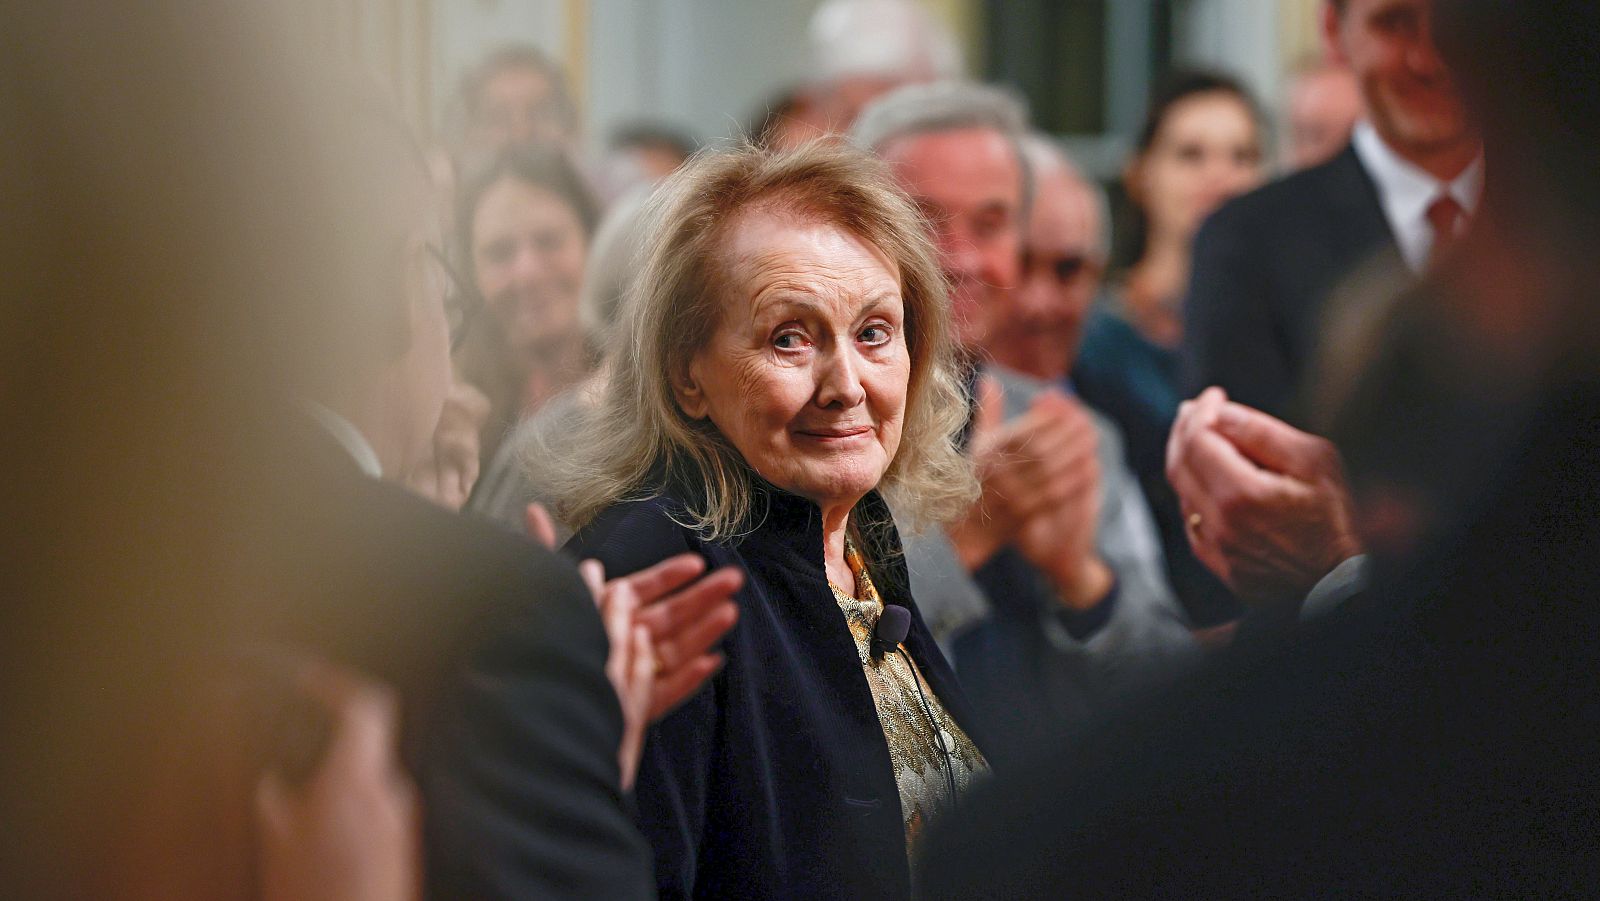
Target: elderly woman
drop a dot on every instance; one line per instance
(781, 368)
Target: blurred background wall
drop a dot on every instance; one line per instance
(707, 66)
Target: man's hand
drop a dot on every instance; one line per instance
(685, 616)
(1059, 539)
(1266, 504)
(351, 831)
(1026, 467)
(662, 623)
(449, 473)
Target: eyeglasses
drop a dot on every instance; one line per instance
(1063, 268)
(461, 299)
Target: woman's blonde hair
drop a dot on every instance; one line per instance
(634, 440)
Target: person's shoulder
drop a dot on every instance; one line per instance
(633, 534)
(1276, 202)
(404, 524)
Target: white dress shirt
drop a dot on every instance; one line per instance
(349, 438)
(1405, 191)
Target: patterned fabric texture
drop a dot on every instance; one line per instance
(921, 770)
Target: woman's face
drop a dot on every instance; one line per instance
(1206, 150)
(807, 371)
(528, 251)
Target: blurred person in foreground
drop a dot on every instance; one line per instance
(249, 629)
(1322, 107)
(526, 220)
(368, 575)
(1267, 263)
(1060, 542)
(1199, 147)
(782, 368)
(215, 655)
(1434, 736)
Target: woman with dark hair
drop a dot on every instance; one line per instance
(525, 222)
(1200, 145)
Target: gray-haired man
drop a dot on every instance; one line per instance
(1056, 572)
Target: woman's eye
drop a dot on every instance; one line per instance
(789, 341)
(875, 335)
(499, 253)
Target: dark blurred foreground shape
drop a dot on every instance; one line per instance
(190, 246)
(1437, 737)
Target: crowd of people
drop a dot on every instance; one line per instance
(825, 513)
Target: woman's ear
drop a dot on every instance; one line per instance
(686, 390)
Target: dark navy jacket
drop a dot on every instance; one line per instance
(775, 780)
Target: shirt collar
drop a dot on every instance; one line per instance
(1405, 192)
(349, 437)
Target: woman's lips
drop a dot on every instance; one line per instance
(835, 434)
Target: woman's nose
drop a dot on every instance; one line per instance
(839, 381)
(528, 265)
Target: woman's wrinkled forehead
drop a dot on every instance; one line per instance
(772, 244)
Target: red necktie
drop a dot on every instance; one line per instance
(1445, 215)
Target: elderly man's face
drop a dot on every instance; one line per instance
(1061, 268)
(808, 369)
(968, 183)
(1409, 93)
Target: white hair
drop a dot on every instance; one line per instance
(919, 109)
(940, 106)
(894, 38)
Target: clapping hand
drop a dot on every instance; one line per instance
(1266, 504)
(1027, 467)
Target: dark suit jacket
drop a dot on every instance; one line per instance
(775, 780)
(1264, 266)
(372, 576)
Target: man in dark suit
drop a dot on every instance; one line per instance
(1266, 263)
(364, 574)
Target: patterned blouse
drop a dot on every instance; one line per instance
(898, 690)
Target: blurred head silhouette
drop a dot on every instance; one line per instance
(179, 275)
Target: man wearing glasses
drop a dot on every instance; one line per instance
(1045, 668)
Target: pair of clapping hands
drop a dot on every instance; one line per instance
(1265, 504)
(1040, 480)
